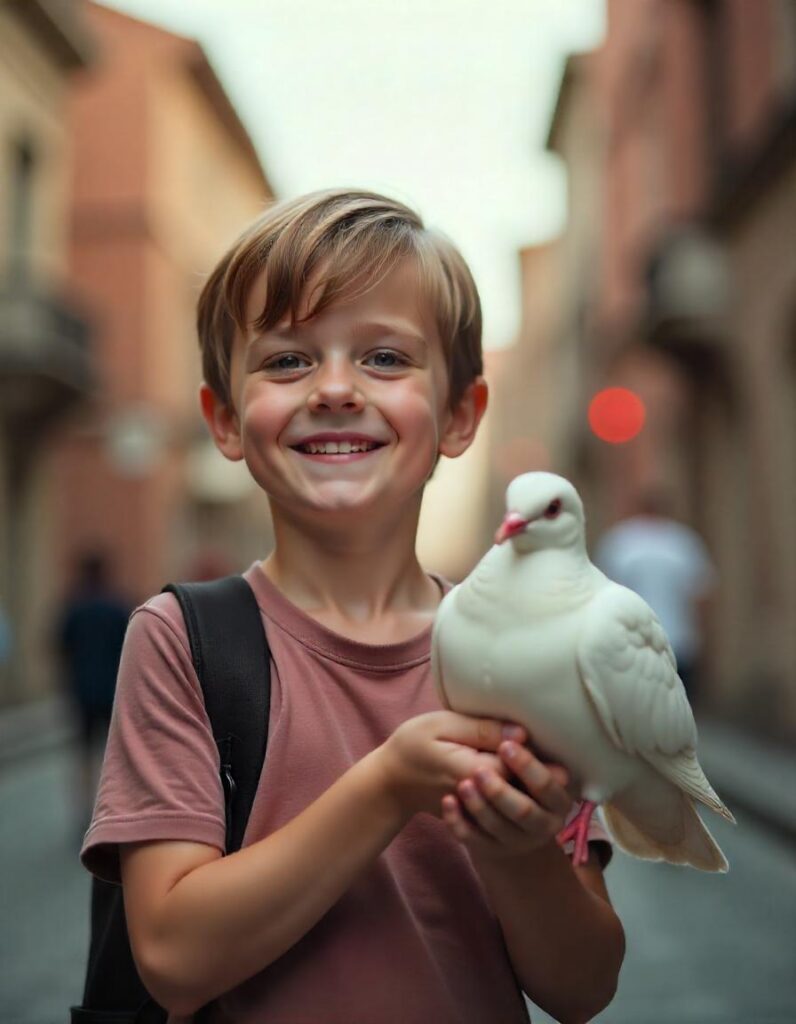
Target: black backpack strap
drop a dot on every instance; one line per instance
(230, 652)
(232, 660)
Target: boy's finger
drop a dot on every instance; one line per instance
(560, 775)
(483, 759)
(489, 819)
(541, 780)
(456, 819)
(480, 733)
(517, 755)
(514, 732)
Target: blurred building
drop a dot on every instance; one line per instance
(45, 358)
(676, 277)
(124, 177)
(165, 178)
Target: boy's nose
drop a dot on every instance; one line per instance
(336, 390)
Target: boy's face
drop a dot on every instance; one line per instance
(367, 373)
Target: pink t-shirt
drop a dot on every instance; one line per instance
(413, 940)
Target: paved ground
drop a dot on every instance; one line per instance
(701, 949)
(708, 949)
(43, 893)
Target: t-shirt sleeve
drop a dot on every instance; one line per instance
(160, 775)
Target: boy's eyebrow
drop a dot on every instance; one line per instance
(390, 327)
(362, 327)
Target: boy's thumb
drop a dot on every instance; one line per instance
(483, 733)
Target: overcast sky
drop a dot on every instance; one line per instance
(441, 103)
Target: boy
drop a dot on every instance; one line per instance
(341, 358)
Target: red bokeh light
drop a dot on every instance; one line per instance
(616, 415)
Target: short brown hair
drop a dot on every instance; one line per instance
(353, 238)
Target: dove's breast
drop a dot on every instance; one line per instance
(520, 673)
(528, 674)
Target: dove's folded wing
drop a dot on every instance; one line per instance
(629, 671)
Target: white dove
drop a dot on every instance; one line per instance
(537, 635)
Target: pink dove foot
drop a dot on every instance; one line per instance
(578, 829)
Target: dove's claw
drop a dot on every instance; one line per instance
(578, 829)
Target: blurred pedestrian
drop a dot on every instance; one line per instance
(668, 564)
(90, 630)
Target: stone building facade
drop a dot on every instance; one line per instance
(129, 173)
(45, 345)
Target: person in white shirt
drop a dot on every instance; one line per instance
(668, 564)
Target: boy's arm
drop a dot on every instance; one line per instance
(200, 924)
(565, 942)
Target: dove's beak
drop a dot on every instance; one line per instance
(510, 527)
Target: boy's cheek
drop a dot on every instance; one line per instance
(262, 421)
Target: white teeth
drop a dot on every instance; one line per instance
(337, 447)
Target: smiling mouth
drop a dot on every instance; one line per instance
(337, 447)
(337, 451)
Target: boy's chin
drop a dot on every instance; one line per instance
(347, 503)
(344, 500)
(328, 496)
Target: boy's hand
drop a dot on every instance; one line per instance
(502, 821)
(429, 755)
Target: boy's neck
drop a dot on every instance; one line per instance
(351, 576)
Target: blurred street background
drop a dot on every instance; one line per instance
(621, 175)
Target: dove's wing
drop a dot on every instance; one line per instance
(629, 671)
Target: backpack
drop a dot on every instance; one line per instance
(230, 653)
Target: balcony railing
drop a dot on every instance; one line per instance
(45, 359)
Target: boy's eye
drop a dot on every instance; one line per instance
(386, 359)
(286, 363)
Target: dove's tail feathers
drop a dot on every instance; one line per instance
(688, 842)
(686, 772)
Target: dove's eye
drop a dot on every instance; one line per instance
(553, 509)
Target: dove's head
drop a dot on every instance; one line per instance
(542, 511)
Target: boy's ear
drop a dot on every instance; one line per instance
(464, 419)
(222, 422)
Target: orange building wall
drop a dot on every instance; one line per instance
(163, 183)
